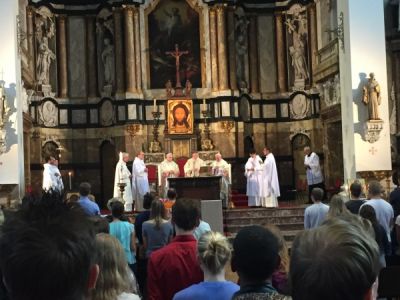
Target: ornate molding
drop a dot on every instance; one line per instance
(373, 129)
(227, 126)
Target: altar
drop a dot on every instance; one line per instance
(203, 188)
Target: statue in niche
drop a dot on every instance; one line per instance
(241, 26)
(45, 30)
(107, 56)
(297, 27)
(372, 97)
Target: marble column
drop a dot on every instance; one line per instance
(213, 47)
(130, 58)
(119, 52)
(222, 59)
(138, 61)
(253, 53)
(62, 57)
(31, 41)
(91, 54)
(281, 53)
(312, 29)
(231, 48)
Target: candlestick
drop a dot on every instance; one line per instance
(154, 104)
(204, 104)
(70, 180)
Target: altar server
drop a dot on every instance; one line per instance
(123, 175)
(140, 181)
(313, 170)
(270, 184)
(253, 172)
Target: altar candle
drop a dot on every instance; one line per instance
(204, 104)
(70, 180)
(154, 104)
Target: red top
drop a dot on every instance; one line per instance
(173, 268)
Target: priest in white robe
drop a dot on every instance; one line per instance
(270, 184)
(220, 167)
(193, 165)
(253, 173)
(313, 171)
(52, 180)
(123, 175)
(140, 181)
(167, 169)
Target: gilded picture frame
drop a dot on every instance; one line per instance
(180, 116)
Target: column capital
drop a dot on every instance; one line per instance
(30, 11)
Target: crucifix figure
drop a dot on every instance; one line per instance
(177, 54)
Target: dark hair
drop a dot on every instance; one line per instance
(252, 151)
(181, 105)
(374, 188)
(100, 225)
(317, 194)
(147, 200)
(368, 212)
(171, 194)
(47, 158)
(157, 212)
(117, 209)
(84, 189)
(268, 148)
(356, 189)
(47, 242)
(255, 253)
(338, 260)
(186, 213)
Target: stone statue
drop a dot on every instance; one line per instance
(44, 60)
(372, 97)
(107, 56)
(168, 88)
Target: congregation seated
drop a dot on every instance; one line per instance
(175, 266)
(214, 253)
(255, 258)
(116, 281)
(47, 252)
(338, 260)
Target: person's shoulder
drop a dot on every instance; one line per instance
(128, 296)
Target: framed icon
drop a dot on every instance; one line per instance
(180, 116)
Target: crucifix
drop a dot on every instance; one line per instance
(177, 55)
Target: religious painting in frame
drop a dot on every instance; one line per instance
(180, 116)
(174, 23)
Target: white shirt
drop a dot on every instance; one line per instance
(314, 174)
(270, 182)
(140, 181)
(52, 179)
(253, 172)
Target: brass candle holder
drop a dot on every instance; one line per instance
(155, 145)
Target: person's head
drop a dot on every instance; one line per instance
(283, 249)
(186, 214)
(100, 224)
(195, 155)
(157, 212)
(147, 200)
(84, 189)
(317, 194)
(374, 189)
(171, 194)
(337, 207)
(266, 150)
(180, 113)
(140, 155)
(255, 254)
(307, 150)
(355, 190)
(214, 252)
(218, 156)
(125, 157)
(73, 198)
(114, 276)
(48, 243)
(338, 260)
(117, 209)
(368, 212)
(169, 156)
(253, 153)
(50, 159)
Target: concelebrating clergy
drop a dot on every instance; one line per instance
(140, 181)
(193, 165)
(123, 175)
(167, 169)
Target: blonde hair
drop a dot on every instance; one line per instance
(283, 249)
(337, 207)
(113, 277)
(214, 251)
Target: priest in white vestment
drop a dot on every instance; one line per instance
(253, 173)
(220, 167)
(140, 181)
(167, 169)
(192, 166)
(313, 171)
(52, 180)
(123, 175)
(270, 184)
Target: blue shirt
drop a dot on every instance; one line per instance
(201, 229)
(222, 290)
(315, 215)
(156, 237)
(123, 230)
(90, 208)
